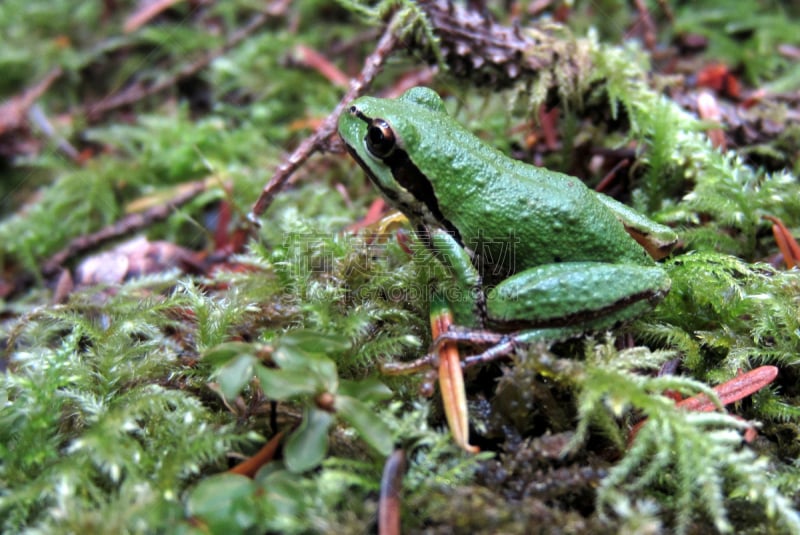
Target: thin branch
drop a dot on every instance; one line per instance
(318, 140)
(146, 13)
(13, 112)
(124, 226)
(648, 27)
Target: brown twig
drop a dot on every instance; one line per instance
(126, 225)
(13, 112)
(611, 175)
(451, 382)
(741, 386)
(389, 505)
(250, 466)
(145, 13)
(310, 58)
(137, 92)
(648, 28)
(787, 245)
(318, 140)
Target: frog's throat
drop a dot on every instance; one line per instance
(415, 198)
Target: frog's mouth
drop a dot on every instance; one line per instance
(391, 195)
(415, 196)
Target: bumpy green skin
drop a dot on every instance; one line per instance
(553, 251)
(579, 293)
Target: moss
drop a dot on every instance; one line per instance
(123, 406)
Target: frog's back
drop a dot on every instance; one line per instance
(518, 216)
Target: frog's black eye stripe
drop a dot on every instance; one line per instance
(358, 113)
(380, 139)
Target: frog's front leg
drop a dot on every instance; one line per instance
(462, 296)
(464, 293)
(464, 301)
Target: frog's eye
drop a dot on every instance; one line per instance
(380, 138)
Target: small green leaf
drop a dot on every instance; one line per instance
(372, 429)
(292, 359)
(225, 503)
(235, 374)
(325, 371)
(223, 353)
(285, 494)
(314, 342)
(307, 446)
(284, 384)
(369, 389)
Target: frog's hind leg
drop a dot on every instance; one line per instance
(582, 296)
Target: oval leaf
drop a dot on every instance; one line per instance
(221, 354)
(307, 446)
(284, 384)
(226, 503)
(293, 359)
(372, 429)
(314, 342)
(235, 374)
(369, 389)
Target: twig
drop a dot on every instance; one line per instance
(391, 483)
(786, 243)
(251, 465)
(14, 111)
(145, 13)
(38, 117)
(648, 28)
(310, 58)
(741, 386)
(126, 225)
(318, 139)
(611, 175)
